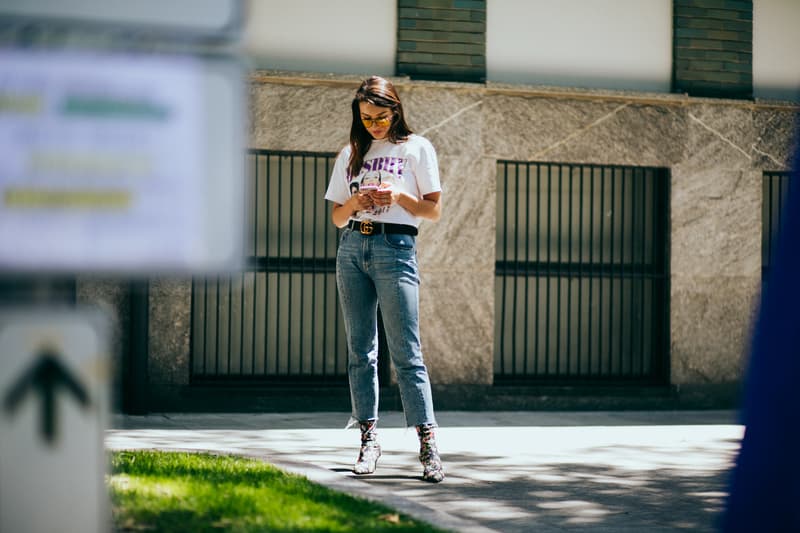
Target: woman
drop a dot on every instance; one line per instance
(398, 185)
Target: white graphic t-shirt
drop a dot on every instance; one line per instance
(409, 166)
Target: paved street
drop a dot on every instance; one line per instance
(654, 471)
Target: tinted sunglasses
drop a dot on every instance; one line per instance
(380, 122)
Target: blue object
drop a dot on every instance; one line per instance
(765, 486)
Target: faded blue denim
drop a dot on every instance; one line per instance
(382, 270)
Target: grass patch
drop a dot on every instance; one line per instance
(191, 492)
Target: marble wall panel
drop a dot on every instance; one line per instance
(464, 238)
(457, 326)
(775, 135)
(622, 134)
(715, 244)
(641, 135)
(450, 119)
(456, 253)
(711, 319)
(575, 131)
(170, 331)
(716, 223)
(305, 118)
(718, 137)
(531, 129)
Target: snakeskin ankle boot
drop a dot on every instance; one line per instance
(429, 455)
(370, 449)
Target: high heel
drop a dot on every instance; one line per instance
(432, 470)
(370, 450)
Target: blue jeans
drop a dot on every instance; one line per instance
(382, 270)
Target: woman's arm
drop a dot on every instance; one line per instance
(429, 206)
(341, 213)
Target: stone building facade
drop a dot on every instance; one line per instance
(716, 151)
(700, 124)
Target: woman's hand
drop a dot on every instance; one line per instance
(341, 213)
(361, 201)
(384, 197)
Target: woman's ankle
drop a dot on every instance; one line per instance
(369, 431)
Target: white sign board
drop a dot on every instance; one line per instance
(54, 404)
(176, 18)
(120, 163)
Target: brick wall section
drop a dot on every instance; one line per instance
(713, 48)
(442, 39)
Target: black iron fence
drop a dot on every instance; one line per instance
(581, 278)
(582, 281)
(775, 187)
(279, 319)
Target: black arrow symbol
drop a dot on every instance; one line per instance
(45, 376)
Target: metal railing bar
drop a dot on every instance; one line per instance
(193, 325)
(570, 278)
(549, 260)
(642, 280)
(336, 318)
(241, 322)
(602, 254)
(589, 344)
(290, 291)
(230, 322)
(505, 257)
(315, 211)
(325, 296)
(527, 259)
(770, 180)
(280, 159)
(583, 165)
(778, 219)
(580, 270)
(597, 270)
(660, 254)
(538, 258)
(255, 276)
(506, 337)
(287, 153)
(216, 328)
(559, 279)
(269, 199)
(516, 261)
(582, 243)
(324, 344)
(611, 287)
(205, 324)
(664, 260)
(623, 202)
(289, 295)
(654, 286)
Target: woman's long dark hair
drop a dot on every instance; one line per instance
(380, 92)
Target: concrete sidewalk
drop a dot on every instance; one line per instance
(506, 471)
